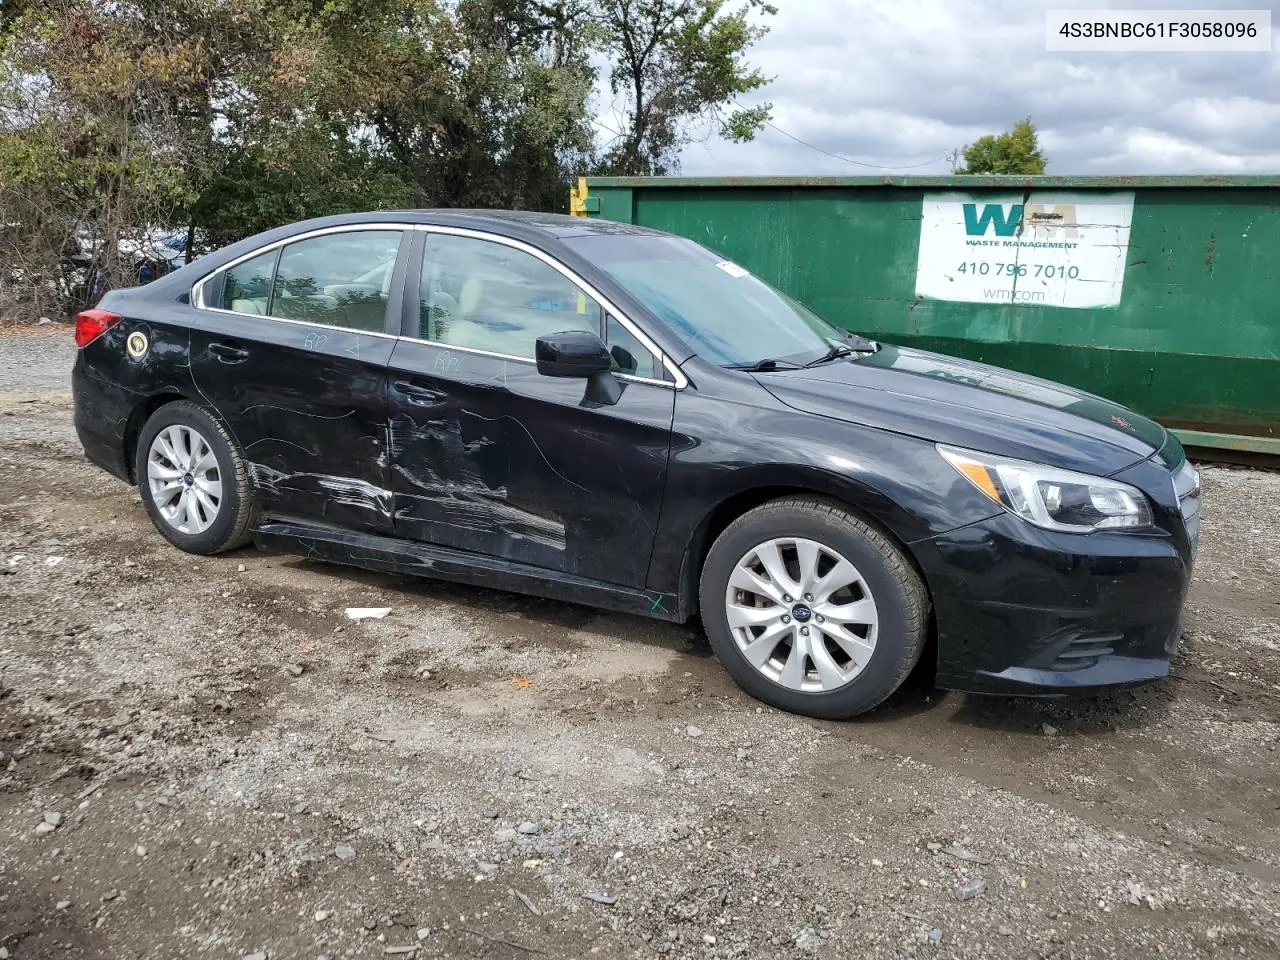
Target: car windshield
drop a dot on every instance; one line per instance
(725, 314)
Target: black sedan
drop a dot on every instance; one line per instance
(612, 416)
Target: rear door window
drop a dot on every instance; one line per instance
(339, 279)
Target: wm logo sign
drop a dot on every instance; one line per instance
(1004, 219)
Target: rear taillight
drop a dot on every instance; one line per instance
(91, 324)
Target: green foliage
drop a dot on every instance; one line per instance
(310, 173)
(675, 62)
(221, 118)
(1015, 152)
(99, 123)
(483, 106)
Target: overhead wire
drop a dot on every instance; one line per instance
(837, 156)
(859, 163)
(805, 143)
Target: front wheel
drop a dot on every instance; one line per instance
(811, 609)
(193, 481)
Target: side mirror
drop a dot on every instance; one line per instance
(576, 353)
(571, 353)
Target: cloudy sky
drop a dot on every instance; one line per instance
(895, 83)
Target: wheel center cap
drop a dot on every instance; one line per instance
(802, 613)
(188, 479)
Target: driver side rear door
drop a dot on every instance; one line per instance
(290, 347)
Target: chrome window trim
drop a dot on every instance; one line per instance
(351, 331)
(440, 345)
(197, 288)
(681, 381)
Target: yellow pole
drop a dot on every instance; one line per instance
(578, 199)
(578, 208)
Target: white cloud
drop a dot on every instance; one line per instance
(893, 83)
(1145, 149)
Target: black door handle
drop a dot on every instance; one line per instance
(229, 352)
(423, 396)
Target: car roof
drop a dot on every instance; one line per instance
(538, 229)
(514, 223)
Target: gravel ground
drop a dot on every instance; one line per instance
(203, 757)
(36, 361)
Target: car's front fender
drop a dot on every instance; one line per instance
(727, 457)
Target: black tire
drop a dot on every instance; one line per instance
(902, 602)
(237, 513)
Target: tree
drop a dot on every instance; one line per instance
(126, 119)
(675, 62)
(99, 133)
(1015, 152)
(474, 103)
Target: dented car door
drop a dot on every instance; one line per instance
(490, 456)
(290, 346)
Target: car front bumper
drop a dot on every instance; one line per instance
(1020, 610)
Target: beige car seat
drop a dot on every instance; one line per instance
(492, 310)
(257, 305)
(463, 330)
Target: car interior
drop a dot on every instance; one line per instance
(487, 309)
(486, 304)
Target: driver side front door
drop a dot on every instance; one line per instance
(493, 458)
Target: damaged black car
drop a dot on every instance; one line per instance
(608, 415)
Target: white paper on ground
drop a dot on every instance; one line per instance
(367, 613)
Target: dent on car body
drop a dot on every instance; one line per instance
(467, 502)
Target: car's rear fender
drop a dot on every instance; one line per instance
(122, 377)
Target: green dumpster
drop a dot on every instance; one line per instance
(1157, 292)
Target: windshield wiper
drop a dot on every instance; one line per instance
(834, 352)
(764, 366)
(854, 343)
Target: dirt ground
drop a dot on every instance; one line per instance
(236, 769)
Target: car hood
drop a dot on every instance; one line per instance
(948, 400)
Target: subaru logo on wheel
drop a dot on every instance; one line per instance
(801, 613)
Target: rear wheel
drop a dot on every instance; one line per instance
(193, 481)
(811, 609)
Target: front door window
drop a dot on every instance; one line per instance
(493, 297)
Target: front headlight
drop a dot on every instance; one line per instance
(1052, 498)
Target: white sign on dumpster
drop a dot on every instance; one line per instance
(1048, 249)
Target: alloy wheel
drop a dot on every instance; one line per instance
(183, 477)
(801, 614)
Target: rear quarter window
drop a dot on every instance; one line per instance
(246, 287)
